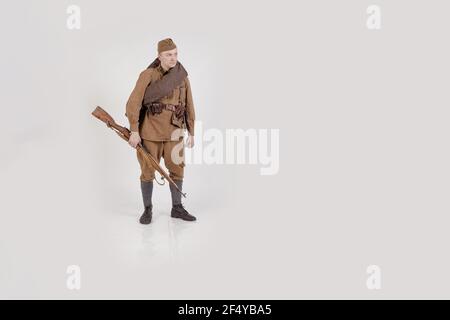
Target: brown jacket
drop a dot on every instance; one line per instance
(159, 127)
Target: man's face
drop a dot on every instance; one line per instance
(168, 58)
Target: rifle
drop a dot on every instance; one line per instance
(124, 133)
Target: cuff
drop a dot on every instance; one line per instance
(134, 126)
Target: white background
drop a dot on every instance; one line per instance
(364, 176)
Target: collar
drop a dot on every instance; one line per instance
(161, 69)
(163, 72)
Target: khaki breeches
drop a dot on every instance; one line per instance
(173, 162)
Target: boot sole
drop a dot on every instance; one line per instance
(177, 217)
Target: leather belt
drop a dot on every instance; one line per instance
(170, 107)
(157, 107)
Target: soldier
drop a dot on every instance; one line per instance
(159, 124)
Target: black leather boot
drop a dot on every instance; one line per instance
(147, 190)
(146, 217)
(178, 211)
(175, 194)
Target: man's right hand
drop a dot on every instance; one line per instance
(135, 139)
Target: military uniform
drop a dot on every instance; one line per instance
(161, 132)
(159, 127)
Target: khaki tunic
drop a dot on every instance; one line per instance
(159, 127)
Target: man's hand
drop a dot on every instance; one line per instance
(190, 141)
(135, 139)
